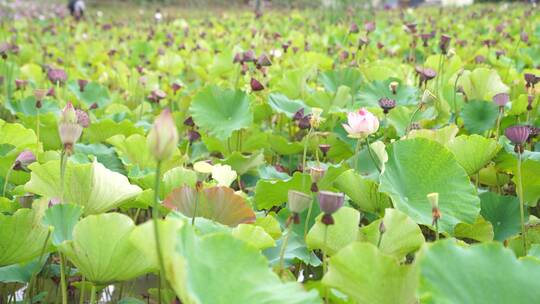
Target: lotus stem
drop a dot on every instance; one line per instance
(304, 155)
(155, 219)
(283, 248)
(436, 230)
(33, 278)
(413, 116)
(37, 130)
(63, 163)
(356, 153)
(325, 262)
(8, 174)
(197, 205)
(81, 293)
(456, 112)
(93, 294)
(63, 285)
(308, 216)
(521, 205)
(371, 155)
(499, 118)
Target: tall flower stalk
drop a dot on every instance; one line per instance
(162, 141)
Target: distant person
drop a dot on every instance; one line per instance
(76, 9)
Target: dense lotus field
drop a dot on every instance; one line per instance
(294, 157)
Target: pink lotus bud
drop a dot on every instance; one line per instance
(361, 124)
(24, 159)
(69, 128)
(163, 136)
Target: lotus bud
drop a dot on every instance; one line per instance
(382, 228)
(304, 122)
(524, 37)
(24, 159)
(69, 128)
(330, 202)
(163, 136)
(237, 58)
(369, 26)
(444, 43)
(175, 87)
(298, 201)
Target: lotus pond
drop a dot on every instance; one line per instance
(295, 157)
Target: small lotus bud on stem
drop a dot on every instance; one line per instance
(69, 128)
(382, 230)
(163, 137)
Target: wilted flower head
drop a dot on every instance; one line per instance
(330, 202)
(387, 104)
(444, 43)
(353, 28)
(518, 135)
(263, 61)
(298, 201)
(501, 99)
(369, 26)
(82, 118)
(57, 76)
(316, 119)
(163, 136)
(82, 84)
(249, 56)
(361, 124)
(157, 95)
(256, 85)
(20, 84)
(24, 159)
(69, 128)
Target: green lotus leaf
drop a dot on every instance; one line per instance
(363, 192)
(367, 275)
(295, 251)
(102, 251)
(19, 137)
(91, 186)
(244, 163)
(442, 135)
(481, 230)
(270, 193)
(104, 129)
(220, 112)
(292, 83)
(218, 204)
(417, 167)
(22, 235)
(177, 177)
(63, 218)
(473, 152)
(530, 175)
(102, 153)
(282, 104)
(21, 273)
(371, 93)
(443, 264)
(93, 93)
(211, 273)
(49, 137)
(342, 233)
(253, 235)
(283, 146)
(479, 116)
(401, 237)
(482, 84)
(333, 79)
(270, 224)
(27, 106)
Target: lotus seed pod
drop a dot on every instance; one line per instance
(330, 202)
(298, 201)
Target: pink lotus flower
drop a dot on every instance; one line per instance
(361, 124)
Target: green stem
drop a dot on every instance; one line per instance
(325, 262)
(373, 159)
(356, 152)
(413, 116)
(283, 248)
(155, 218)
(304, 155)
(33, 278)
(63, 163)
(499, 118)
(196, 206)
(93, 294)
(436, 230)
(81, 293)
(63, 279)
(8, 174)
(521, 205)
(306, 224)
(37, 130)
(456, 112)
